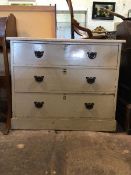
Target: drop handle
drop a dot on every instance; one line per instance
(64, 71)
(38, 104)
(39, 54)
(89, 106)
(92, 55)
(90, 80)
(39, 78)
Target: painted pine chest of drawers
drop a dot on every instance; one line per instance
(64, 84)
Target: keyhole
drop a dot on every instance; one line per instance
(64, 97)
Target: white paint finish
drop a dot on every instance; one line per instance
(63, 110)
(63, 41)
(69, 124)
(78, 55)
(64, 80)
(63, 106)
(65, 54)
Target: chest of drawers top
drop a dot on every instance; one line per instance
(56, 52)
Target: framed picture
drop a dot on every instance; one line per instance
(98, 13)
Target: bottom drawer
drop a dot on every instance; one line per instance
(63, 106)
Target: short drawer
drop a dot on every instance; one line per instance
(63, 105)
(66, 79)
(64, 54)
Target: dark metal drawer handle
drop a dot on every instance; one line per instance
(38, 78)
(89, 106)
(64, 71)
(90, 80)
(39, 54)
(38, 104)
(92, 55)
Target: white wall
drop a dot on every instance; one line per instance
(122, 7)
(3, 2)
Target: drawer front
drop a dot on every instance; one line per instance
(63, 106)
(63, 54)
(69, 79)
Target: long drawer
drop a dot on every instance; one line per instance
(68, 79)
(63, 106)
(63, 54)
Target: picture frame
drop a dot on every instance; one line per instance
(97, 12)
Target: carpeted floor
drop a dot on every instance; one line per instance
(65, 153)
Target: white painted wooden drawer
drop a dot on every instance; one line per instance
(69, 79)
(63, 106)
(62, 54)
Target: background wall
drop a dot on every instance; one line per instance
(122, 7)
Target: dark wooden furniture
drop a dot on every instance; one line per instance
(123, 114)
(7, 28)
(86, 33)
